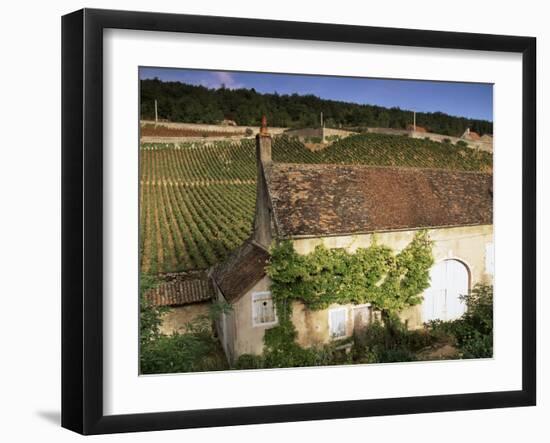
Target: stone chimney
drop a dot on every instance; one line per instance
(262, 218)
(263, 144)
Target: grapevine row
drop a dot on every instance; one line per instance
(197, 199)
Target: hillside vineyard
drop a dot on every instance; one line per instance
(197, 199)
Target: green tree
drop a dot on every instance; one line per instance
(197, 104)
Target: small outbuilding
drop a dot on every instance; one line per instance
(189, 300)
(471, 135)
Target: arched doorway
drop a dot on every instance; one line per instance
(449, 280)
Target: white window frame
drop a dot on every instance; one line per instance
(263, 294)
(346, 319)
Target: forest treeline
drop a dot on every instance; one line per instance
(181, 102)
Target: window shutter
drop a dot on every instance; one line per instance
(337, 323)
(263, 308)
(490, 258)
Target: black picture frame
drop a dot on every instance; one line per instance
(82, 218)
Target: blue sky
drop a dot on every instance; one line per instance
(472, 100)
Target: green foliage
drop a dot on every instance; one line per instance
(395, 150)
(280, 351)
(389, 342)
(198, 104)
(250, 361)
(208, 209)
(473, 332)
(194, 350)
(217, 309)
(150, 315)
(390, 282)
(462, 144)
(480, 308)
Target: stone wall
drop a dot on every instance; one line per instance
(249, 339)
(466, 244)
(304, 133)
(178, 317)
(211, 128)
(474, 144)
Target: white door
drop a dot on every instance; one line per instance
(449, 280)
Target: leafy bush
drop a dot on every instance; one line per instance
(446, 140)
(250, 361)
(462, 144)
(194, 350)
(389, 342)
(473, 332)
(480, 308)
(248, 132)
(150, 315)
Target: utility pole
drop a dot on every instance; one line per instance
(414, 121)
(322, 119)
(156, 113)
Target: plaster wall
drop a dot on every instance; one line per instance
(178, 317)
(465, 243)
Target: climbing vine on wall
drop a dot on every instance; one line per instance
(376, 275)
(390, 282)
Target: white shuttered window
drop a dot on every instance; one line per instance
(337, 322)
(263, 309)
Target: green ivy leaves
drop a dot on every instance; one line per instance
(390, 282)
(376, 275)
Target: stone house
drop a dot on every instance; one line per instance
(342, 206)
(470, 135)
(189, 300)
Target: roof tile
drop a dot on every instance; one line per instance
(320, 200)
(242, 269)
(180, 292)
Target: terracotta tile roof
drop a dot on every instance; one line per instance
(180, 292)
(472, 136)
(418, 128)
(320, 200)
(242, 269)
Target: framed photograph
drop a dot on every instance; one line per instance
(270, 221)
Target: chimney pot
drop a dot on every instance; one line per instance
(263, 128)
